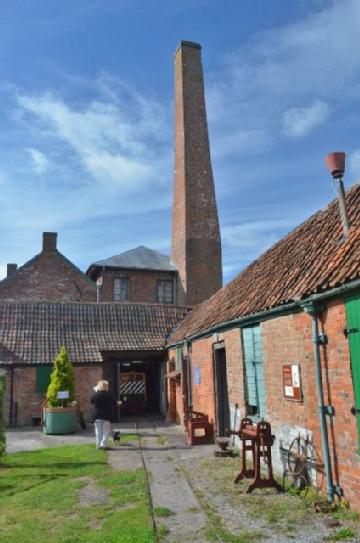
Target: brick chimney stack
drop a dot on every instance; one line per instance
(196, 244)
(10, 269)
(49, 242)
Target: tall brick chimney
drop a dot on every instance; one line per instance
(49, 242)
(196, 243)
(10, 269)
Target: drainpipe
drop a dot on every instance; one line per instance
(11, 398)
(320, 339)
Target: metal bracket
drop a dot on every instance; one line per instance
(328, 410)
(355, 411)
(322, 339)
(348, 331)
(338, 490)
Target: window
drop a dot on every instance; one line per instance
(43, 378)
(121, 289)
(164, 291)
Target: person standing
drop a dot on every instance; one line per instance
(104, 411)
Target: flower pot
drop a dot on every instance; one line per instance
(59, 420)
(336, 163)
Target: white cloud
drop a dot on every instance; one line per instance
(40, 162)
(306, 62)
(116, 142)
(299, 121)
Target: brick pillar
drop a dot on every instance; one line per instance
(11, 269)
(49, 241)
(196, 244)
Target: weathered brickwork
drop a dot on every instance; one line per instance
(142, 284)
(27, 401)
(48, 277)
(196, 246)
(288, 340)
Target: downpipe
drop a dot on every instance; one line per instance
(313, 310)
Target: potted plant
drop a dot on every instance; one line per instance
(60, 410)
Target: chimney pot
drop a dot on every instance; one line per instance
(336, 163)
(49, 241)
(11, 269)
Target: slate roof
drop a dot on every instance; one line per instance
(312, 258)
(139, 258)
(32, 333)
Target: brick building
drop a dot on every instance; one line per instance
(48, 276)
(103, 340)
(282, 342)
(138, 275)
(114, 320)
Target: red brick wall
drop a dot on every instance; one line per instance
(203, 395)
(29, 401)
(288, 340)
(142, 284)
(48, 278)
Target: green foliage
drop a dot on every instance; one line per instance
(62, 378)
(344, 534)
(2, 424)
(163, 512)
(40, 493)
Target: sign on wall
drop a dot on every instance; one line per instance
(292, 382)
(197, 376)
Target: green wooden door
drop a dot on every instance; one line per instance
(254, 372)
(352, 306)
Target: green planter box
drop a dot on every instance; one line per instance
(60, 420)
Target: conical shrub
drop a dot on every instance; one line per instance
(62, 378)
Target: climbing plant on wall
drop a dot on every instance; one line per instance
(2, 424)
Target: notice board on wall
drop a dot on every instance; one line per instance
(197, 376)
(292, 382)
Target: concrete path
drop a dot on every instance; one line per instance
(163, 452)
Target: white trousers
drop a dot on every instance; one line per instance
(102, 432)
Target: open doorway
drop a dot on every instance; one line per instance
(221, 391)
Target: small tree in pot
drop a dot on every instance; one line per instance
(61, 408)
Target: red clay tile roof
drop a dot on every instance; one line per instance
(32, 333)
(310, 259)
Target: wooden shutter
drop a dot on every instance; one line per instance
(43, 378)
(352, 307)
(253, 358)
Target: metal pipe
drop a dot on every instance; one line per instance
(314, 310)
(342, 205)
(11, 397)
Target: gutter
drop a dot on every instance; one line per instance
(268, 313)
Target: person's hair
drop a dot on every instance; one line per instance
(103, 385)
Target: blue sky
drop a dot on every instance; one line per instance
(86, 119)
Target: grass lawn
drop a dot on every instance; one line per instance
(69, 494)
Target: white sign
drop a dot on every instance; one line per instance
(63, 395)
(295, 373)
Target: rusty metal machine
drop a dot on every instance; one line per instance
(258, 440)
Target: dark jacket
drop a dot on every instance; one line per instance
(104, 405)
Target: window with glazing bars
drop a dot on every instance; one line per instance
(121, 289)
(165, 291)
